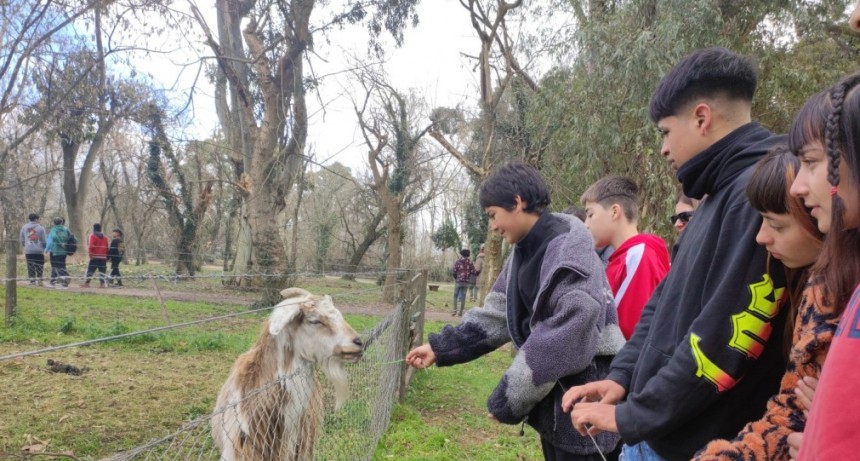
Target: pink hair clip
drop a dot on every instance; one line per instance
(833, 191)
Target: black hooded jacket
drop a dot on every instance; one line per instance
(706, 355)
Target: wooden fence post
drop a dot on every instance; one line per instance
(11, 279)
(418, 289)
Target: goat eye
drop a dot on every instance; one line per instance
(314, 322)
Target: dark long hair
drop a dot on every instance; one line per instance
(768, 192)
(832, 118)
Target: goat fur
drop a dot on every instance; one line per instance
(270, 407)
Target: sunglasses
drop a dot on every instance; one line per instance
(684, 216)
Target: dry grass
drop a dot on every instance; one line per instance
(123, 399)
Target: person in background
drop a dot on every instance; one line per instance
(791, 235)
(552, 301)
(685, 207)
(602, 252)
(115, 254)
(829, 184)
(640, 261)
(34, 239)
(56, 246)
(703, 361)
(479, 265)
(97, 249)
(463, 272)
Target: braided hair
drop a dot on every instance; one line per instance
(839, 263)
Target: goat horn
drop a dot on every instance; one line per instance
(295, 292)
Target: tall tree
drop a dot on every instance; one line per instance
(185, 212)
(260, 100)
(493, 139)
(401, 177)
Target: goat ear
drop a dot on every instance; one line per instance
(282, 316)
(295, 292)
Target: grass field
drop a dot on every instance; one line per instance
(141, 388)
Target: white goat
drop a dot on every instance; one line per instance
(256, 420)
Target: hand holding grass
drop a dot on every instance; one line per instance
(421, 357)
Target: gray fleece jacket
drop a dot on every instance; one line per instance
(33, 238)
(574, 335)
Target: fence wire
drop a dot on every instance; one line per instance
(349, 433)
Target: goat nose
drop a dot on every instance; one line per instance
(357, 341)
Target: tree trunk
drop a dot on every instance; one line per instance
(395, 251)
(370, 237)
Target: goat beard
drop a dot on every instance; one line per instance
(333, 370)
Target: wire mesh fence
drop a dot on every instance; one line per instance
(298, 422)
(348, 433)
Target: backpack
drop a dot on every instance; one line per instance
(71, 244)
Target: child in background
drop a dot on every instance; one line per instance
(115, 254)
(97, 249)
(463, 272)
(640, 261)
(791, 235)
(552, 301)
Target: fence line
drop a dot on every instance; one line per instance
(349, 433)
(158, 329)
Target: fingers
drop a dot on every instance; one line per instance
(794, 441)
(573, 395)
(805, 391)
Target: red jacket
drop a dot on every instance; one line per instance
(98, 246)
(831, 432)
(635, 268)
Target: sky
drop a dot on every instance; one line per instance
(430, 62)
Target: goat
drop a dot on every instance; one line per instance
(270, 407)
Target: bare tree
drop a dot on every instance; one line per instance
(495, 61)
(397, 161)
(184, 211)
(260, 101)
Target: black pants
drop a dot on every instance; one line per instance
(114, 271)
(101, 265)
(552, 453)
(58, 270)
(35, 266)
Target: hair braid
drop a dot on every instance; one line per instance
(838, 265)
(831, 132)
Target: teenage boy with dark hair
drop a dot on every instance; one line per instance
(707, 352)
(640, 261)
(552, 301)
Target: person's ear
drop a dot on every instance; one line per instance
(703, 117)
(519, 204)
(616, 211)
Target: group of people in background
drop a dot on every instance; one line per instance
(745, 347)
(59, 243)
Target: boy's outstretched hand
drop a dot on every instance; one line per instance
(421, 357)
(606, 391)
